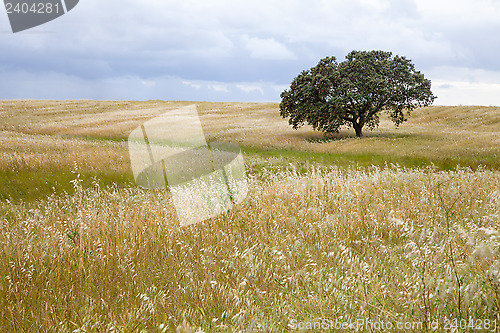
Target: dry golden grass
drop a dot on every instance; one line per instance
(18, 151)
(465, 134)
(387, 245)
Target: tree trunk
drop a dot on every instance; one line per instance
(359, 129)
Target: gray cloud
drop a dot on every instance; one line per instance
(141, 50)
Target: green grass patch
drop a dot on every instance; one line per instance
(32, 184)
(29, 185)
(345, 160)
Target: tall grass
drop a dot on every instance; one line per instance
(388, 244)
(316, 238)
(33, 166)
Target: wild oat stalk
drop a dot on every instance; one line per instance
(449, 219)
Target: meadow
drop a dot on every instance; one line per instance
(400, 227)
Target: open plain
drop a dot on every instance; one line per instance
(401, 226)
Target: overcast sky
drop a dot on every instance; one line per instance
(228, 50)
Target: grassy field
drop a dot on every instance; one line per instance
(40, 141)
(400, 227)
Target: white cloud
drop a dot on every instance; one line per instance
(279, 88)
(464, 74)
(250, 88)
(459, 85)
(464, 13)
(148, 83)
(267, 48)
(191, 84)
(466, 93)
(219, 87)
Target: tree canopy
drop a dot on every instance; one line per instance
(354, 92)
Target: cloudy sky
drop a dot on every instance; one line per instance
(227, 50)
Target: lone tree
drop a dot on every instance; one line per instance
(354, 92)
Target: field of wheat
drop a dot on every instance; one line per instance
(316, 240)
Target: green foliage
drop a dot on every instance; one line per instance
(354, 92)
